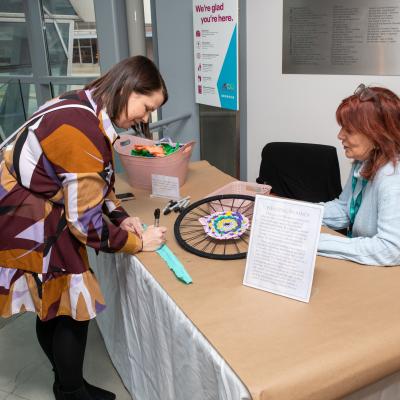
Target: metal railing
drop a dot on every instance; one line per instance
(163, 123)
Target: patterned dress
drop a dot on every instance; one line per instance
(56, 184)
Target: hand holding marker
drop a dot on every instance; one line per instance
(157, 217)
(154, 235)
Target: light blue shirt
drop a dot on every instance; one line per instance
(376, 229)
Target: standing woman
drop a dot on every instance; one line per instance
(369, 206)
(56, 185)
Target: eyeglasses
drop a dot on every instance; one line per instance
(364, 93)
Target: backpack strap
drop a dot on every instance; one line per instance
(12, 136)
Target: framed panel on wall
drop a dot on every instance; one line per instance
(359, 37)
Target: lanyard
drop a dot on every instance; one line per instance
(355, 204)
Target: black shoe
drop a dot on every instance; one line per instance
(95, 392)
(98, 393)
(79, 394)
(56, 390)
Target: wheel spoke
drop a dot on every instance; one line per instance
(194, 237)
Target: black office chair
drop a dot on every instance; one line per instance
(301, 171)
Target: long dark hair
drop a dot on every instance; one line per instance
(378, 118)
(134, 74)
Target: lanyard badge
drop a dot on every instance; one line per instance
(355, 203)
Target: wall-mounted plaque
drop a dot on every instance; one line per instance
(341, 37)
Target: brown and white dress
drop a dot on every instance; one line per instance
(56, 184)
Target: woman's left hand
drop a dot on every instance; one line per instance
(132, 224)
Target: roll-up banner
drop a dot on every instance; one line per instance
(215, 39)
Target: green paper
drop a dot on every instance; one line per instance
(142, 153)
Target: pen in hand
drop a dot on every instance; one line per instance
(156, 217)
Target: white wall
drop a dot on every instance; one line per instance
(291, 108)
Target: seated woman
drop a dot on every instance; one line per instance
(369, 206)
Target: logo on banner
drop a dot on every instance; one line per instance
(230, 87)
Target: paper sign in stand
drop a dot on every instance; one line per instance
(283, 246)
(165, 186)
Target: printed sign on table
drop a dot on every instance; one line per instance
(283, 246)
(215, 26)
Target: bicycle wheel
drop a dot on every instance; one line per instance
(203, 227)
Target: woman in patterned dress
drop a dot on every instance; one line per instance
(56, 185)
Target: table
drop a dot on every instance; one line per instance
(346, 338)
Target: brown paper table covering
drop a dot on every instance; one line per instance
(347, 337)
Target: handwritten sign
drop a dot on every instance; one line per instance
(165, 186)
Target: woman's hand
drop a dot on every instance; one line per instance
(132, 224)
(153, 238)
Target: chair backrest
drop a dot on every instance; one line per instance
(301, 171)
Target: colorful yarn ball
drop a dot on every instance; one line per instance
(225, 224)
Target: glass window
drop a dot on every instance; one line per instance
(17, 103)
(59, 7)
(84, 42)
(14, 50)
(11, 6)
(71, 37)
(60, 89)
(76, 53)
(31, 104)
(57, 45)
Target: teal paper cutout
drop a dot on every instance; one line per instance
(173, 263)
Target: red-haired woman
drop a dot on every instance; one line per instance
(369, 206)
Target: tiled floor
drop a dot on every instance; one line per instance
(25, 372)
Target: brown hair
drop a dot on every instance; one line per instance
(134, 74)
(377, 117)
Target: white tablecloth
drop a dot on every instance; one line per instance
(155, 348)
(159, 353)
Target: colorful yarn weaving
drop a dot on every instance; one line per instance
(156, 150)
(225, 225)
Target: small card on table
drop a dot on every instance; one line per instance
(165, 186)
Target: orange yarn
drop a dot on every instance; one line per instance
(156, 151)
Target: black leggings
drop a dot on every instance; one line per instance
(63, 339)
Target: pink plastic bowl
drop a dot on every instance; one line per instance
(139, 169)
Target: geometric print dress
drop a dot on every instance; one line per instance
(56, 198)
